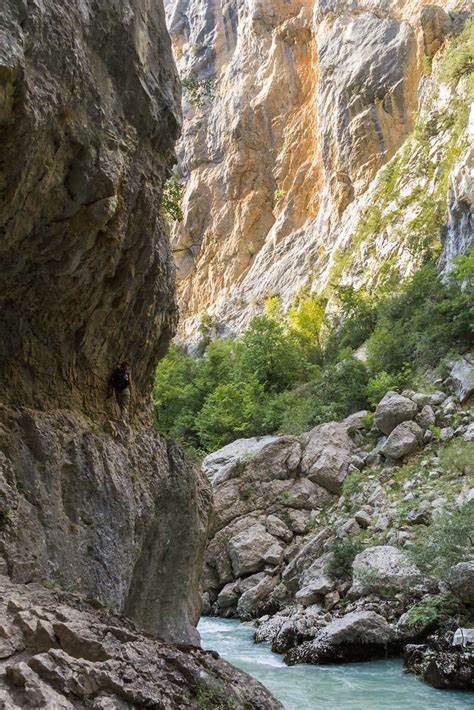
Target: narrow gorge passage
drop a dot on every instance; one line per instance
(265, 208)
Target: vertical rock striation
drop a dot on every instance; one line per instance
(282, 157)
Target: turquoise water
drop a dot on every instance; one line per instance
(379, 685)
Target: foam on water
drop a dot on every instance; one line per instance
(379, 685)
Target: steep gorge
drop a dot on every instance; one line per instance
(290, 112)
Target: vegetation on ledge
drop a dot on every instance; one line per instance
(289, 372)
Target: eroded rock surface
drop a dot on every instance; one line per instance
(88, 121)
(120, 517)
(57, 651)
(290, 111)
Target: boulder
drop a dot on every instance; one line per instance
(247, 550)
(274, 554)
(220, 462)
(463, 637)
(356, 421)
(461, 581)
(469, 433)
(298, 520)
(426, 417)
(441, 663)
(327, 455)
(462, 378)
(256, 601)
(331, 599)
(419, 516)
(446, 434)
(392, 410)
(362, 518)
(358, 636)
(383, 570)
(229, 595)
(314, 582)
(304, 494)
(403, 440)
(275, 526)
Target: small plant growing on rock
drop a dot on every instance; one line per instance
(246, 492)
(279, 195)
(210, 699)
(434, 610)
(449, 540)
(4, 518)
(368, 420)
(198, 90)
(342, 554)
(172, 198)
(427, 63)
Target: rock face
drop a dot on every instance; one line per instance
(59, 652)
(89, 114)
(122, 521)
(86, 273)
(290, 111)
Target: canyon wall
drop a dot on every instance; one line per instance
(291, 110)
(89, 117)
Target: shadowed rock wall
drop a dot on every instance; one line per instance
(88, 119)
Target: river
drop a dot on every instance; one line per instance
(378, 685)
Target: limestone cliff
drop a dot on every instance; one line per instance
(291, 109)
(89, 115)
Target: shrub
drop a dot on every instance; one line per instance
(379, 385)
(342, 554)
(172, 198)
(458, 457)
(459, 58)
(449, 540)
(352, 484)
(198, 90)
(434, 610)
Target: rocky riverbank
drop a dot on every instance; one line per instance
(323, 539)
(58, 651)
